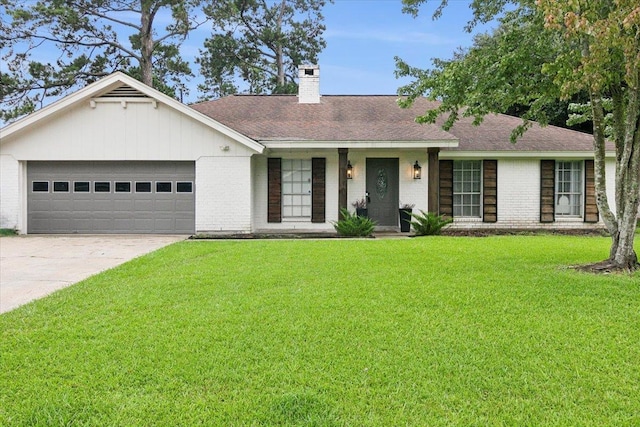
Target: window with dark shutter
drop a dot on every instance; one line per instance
(274, 190)
(490, 191)
(318, 189)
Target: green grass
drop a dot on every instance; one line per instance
(434, 331)
(7, 232)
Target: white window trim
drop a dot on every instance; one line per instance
(473, 218)
(289, 218)
(568, 217)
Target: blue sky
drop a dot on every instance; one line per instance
(363, 37)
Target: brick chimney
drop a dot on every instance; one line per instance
(309, 84)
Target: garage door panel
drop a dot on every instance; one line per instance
(143, 205)
(60, 206)
(83, 225)
(164, 225)
(110, 212)
(123, 205)
(123, 224)
(144, 224)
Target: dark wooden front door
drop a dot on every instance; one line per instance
(382, 189)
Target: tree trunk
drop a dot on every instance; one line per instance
(622, 225)
(278, 52)
(146, 43)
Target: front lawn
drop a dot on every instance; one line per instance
(413, 332)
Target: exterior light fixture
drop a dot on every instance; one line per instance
(417, 171)
(349, 170)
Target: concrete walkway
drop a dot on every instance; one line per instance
(34, 266)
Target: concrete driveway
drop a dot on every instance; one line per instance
(34, 266)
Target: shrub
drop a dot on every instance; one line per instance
(428, 223)
(353, 225)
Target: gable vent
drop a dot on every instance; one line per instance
(124, 92)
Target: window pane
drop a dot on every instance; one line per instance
(61, 186)
(123, 187)
(143, 187)
(40, 186)
(467, 188)
(81, 186)
(296, 188)
(102, 187)
(184, 187)
(163, 187)
(569, 189)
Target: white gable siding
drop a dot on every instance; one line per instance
(111, 132)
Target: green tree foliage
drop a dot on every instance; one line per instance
(261, 44)
(83, 40)
(542, 52)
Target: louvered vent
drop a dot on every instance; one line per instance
(124, 92)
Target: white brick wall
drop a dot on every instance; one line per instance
(308, 85)
(519, 199)
(223, 194)
(10, 201)
(518, 191)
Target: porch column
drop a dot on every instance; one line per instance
(342, 179)
(433, 185)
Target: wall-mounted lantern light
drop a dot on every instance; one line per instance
(417, 171)
(349, 170)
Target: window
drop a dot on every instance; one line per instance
(467, 188)
(81, 186)
(184, 187)
(296, 189)
(163, 187)
(123, 187)
(102, 187)
(569, 189)
(40, 186)
(143, 187)
(60, 186)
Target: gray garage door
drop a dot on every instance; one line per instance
(111, 197)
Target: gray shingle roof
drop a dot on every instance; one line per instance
(371, 118)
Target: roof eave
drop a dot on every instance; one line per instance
(543, 154)
(313, 144)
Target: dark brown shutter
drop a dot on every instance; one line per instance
(490, 191)
(590, 205)
(318, 185)
(274, 190)
(547, 190)
(446, 188)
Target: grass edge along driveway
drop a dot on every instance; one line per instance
(430, 331)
